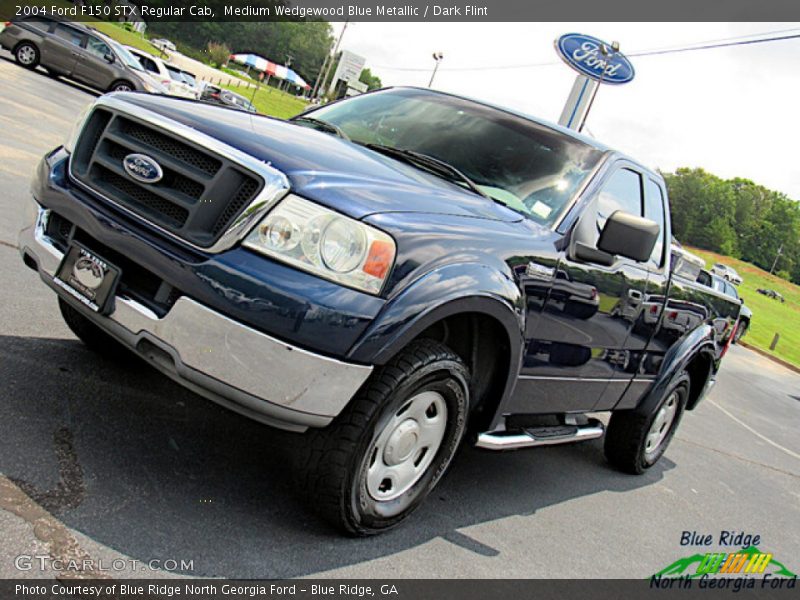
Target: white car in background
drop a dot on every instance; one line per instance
(164, 45)
(727, 272)
(183, 80)
(157, 69)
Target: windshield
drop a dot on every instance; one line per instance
(528, 167)
(128, 59)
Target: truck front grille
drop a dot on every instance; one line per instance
(199, 196)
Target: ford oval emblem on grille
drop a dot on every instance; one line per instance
(142, 168)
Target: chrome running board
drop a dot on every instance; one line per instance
(540, 436)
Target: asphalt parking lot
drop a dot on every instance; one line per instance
(104, 460)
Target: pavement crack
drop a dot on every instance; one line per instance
(8, 244)
(70, 491)
(737, 457)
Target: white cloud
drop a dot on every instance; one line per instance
(731, 110)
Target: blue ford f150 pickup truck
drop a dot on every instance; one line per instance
(395, 273)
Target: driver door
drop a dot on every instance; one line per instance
(581, 347)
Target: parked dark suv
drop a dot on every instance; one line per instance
(77, 52)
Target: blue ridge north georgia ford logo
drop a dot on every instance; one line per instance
(142, 168)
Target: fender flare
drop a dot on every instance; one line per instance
(700, 342)
(452, 289)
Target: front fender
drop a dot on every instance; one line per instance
(448, 290)
(700, 342)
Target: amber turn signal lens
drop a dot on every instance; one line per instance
(379, 259)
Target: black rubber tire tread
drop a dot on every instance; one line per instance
(90, 334)
(321, 472)
(627, 430)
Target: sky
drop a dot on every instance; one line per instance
(732, 111)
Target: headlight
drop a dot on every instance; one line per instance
(326, 243)
(77, 127)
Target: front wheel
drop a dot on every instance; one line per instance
(636, 440)
(376, 463)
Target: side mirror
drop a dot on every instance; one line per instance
(110, 58)
(630, 236)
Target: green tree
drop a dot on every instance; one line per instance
(373, 81)
(218, 54)
(736, 217)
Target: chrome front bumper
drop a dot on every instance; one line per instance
(243, 369)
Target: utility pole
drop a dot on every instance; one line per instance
(327, 67)
(437, 56)
(319, 77)
(775, 262)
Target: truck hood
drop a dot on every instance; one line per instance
(327, 169)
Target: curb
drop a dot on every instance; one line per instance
(772, 357)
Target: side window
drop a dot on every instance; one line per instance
(73, 36)
(704, 278)
(623, 191)
(731, 291)
(97, 47)
(718, 285)
(39, 23)
(654, 210)
(148, 64)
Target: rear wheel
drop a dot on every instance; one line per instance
(636, 440)
(27, 55)
(90, 334)
(376, 463)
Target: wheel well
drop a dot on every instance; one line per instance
(483, 344)
(699, 370)
(21, 42)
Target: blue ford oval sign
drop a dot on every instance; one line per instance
(584, 53)
(142, 168)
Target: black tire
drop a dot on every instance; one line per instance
(740, 331)
(27, 55)
(335, 462)
(122, 86)
(90, 334)
(626, 442)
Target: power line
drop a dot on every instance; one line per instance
(703, 45)
(711, 46)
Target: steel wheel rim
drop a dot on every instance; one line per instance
(26, 55)
(122, 88)
(406, 446)
(661, 425)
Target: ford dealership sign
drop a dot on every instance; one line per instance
(586, 55)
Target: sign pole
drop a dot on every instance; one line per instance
(597, 63)
(580, 99)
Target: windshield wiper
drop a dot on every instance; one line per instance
(429, 163)
(322, 125)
